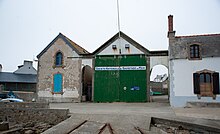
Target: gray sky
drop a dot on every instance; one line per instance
(28, 26)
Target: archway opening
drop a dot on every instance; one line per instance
(159, 83)
(86, 83)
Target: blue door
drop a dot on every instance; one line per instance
(57, 83)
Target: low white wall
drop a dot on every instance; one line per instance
(69, 95)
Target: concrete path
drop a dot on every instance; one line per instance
(125, 118)
(204, 113)
(117, 108)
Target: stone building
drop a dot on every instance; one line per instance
(194, 63)
(69, 73)
(60, 67)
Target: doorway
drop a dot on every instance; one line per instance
(86, 83)
(159, 83)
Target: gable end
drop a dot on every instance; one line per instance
(68, 42)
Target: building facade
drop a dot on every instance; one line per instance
(60, 71)
(22, 82)
(194, 63)
(121, 71)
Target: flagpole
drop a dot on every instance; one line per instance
(118, 18)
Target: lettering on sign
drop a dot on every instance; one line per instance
(120, 68)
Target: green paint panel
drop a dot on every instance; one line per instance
(133, 82)
(106, 82)
(122, 85)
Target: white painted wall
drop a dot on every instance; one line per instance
(181, 79)
(120, 43)
(159, 60)
(86, 62)
(67, 93)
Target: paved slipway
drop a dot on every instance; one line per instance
(126, 118)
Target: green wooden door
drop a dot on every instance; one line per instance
(106, 82)
(120, 78)
(133, 80)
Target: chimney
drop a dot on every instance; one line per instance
(0, 67)
(170, 23)
(171, 33)
(28, 63)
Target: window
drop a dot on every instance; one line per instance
(194, 51)
(59, 59)
(205, 78)
(206, 83)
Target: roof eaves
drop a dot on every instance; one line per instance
(127, 38)
(74, 46)
(48, 46)
(113, 38)
(188, 36)
(69, 43)
(139, 46)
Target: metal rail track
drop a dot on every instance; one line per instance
(107, 125)
(78, 126)
(139, 130)
(103, 128)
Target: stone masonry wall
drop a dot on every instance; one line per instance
(24, 115)
(71, 71)
(179, 46)
(23, 105)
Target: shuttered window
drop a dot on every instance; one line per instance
(216, 83)
(201, 78)
(196, 83)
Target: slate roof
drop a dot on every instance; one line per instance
(19, 78)
(188, 36)
(78, 49)
(124, 36)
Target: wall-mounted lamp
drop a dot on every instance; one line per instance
(127, 46)
(114, 47)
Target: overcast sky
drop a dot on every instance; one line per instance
(28, 26)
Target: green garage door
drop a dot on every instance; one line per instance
(120, 78)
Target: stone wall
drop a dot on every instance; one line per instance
(24, 115)
(30, 117)
(23, 105)
(179, 46)
(70, 70)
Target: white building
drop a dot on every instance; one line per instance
(194, 66)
